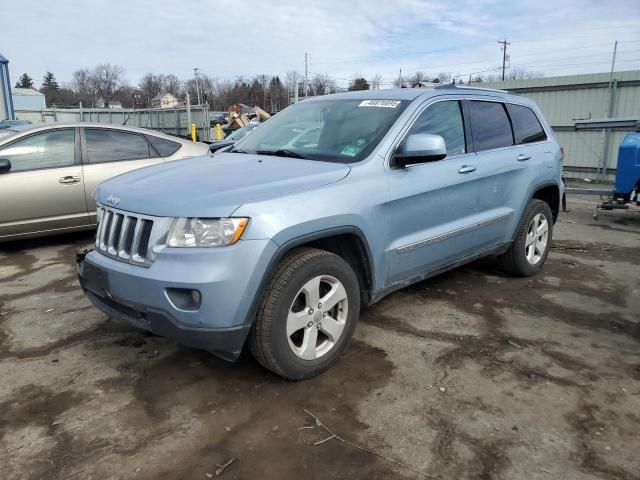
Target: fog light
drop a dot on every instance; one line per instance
(184, 298)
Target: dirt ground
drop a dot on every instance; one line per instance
(472, 374)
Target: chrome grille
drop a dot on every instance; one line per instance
(130, 237)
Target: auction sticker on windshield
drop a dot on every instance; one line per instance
(380, 103)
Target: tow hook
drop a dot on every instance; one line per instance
(80, 255)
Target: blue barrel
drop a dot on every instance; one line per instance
(628, 169)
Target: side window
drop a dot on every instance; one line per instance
(165, 147)
(444, 119)
(490, 125)
(50, 149)
(112, 145)
(526, 125)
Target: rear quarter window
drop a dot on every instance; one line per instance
(164, 147)
(526, 126)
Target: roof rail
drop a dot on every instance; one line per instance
(466, 87)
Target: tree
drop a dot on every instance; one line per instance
(49, 82)
(293, 78)
(359, 83)
(375, 81)
(82, 85)
(25, 81)
(108, 81)
(173, 85)
(418, 77)
(150, 85)
(323, 84)
(50, 89)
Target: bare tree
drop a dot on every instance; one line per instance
(322, 84)
(151, 85)
(418, 77)
(291, 79)
(83, 87)
(108, 81)
(375, 81)
(172, 85)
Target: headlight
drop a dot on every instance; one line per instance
(206, 232)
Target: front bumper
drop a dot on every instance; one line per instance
(227, 278)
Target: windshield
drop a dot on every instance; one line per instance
(342, 131)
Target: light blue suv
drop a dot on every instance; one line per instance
(278, 244)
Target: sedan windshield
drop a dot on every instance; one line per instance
(342, 131)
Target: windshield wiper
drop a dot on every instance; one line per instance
(236, 150)
(281, 153)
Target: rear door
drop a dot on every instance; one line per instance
(107, 152)
(509, 159)
(433, 206)
(44, 190)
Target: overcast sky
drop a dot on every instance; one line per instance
(227, 38)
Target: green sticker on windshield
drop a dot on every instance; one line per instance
(350, 150)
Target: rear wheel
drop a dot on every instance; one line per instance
(307, 315)
(531, 245)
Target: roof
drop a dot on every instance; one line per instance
(565, 80)
(160, 95)
(44, 126)
(3, 59)
(412, 93)
(26, 91)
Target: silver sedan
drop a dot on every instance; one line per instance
(48, 172)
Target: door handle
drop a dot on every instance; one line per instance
(69, 180)
(467, 169)
(522, 157)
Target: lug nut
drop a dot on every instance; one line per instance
(319, 305)
(324, 314)
(319, 326)
(310, 311)
(310, 324)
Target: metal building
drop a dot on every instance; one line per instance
(27, 99)
(566, 100)
(6, 102)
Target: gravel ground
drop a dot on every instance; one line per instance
(471, 374)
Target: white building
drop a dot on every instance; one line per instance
(165, 100)
(28, 99)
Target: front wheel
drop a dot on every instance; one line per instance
(307, 315)
(532, 242)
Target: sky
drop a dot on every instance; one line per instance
(229, 38)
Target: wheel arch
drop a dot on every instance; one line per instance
(348, 242)
(550, 194)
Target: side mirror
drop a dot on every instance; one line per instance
(420, 148)
(5, 165)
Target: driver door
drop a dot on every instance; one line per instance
(433, 210)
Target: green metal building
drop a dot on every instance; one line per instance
(565, 100)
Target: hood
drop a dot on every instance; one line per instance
(214, 186)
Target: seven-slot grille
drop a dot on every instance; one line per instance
(124, 236)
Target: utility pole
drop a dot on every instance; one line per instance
(195, 73)
(613, 62)
(601, 172)
(306, 73)
(504, 44)
(400, 79)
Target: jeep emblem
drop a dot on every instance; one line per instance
(113, 200)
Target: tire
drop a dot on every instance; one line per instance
(289, 340)
(518, 260)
